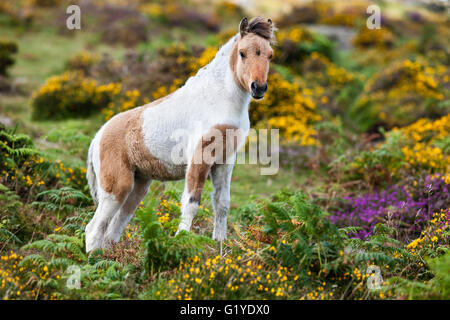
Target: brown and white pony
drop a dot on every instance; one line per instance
(137, 146)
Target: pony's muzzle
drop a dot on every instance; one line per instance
(258, 90)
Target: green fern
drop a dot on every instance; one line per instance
(10, 205)
(302, 234)
(161, 250)
(61, 201)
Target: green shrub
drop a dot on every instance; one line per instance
(10, 204)
(302, 236)
(436, 288)
(295, 44)
(7, 50)
(26, 170)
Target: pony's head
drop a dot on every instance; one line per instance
(251, 55)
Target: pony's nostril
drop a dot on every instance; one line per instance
(254, 86)
(264, 87)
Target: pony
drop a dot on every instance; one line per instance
(136, 146)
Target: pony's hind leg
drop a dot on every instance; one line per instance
(95, 229)
(109, 203)
(123, 217)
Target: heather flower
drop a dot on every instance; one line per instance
(402, 206)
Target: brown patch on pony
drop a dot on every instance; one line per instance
(124, 155)
(210, 151)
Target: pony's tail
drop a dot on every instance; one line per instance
(90, 174)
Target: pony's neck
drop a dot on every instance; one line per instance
(239, 96)
(219, 71)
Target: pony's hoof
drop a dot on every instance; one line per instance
(92, 243)
(108, 242)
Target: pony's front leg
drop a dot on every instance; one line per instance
(188, 211)
(195, 180)
(221, 178)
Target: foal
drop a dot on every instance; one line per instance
(135, 147)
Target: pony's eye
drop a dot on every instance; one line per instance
(242, 54)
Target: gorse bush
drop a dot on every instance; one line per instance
(83, 61)
(137, 74)
(434, 239)
(331, 87)
(323, 12)
(71, 95)
(281, 109)
(127, 101)
(295, 44)
(379, 38)
(397, 95)
(430, 252)
(427, 144)
(233, 277)
(411, 150)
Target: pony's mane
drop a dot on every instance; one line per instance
(261, 27)
(218, 65)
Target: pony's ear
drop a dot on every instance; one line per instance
(269, 21)
(243, 26)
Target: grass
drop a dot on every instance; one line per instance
(44, 52)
